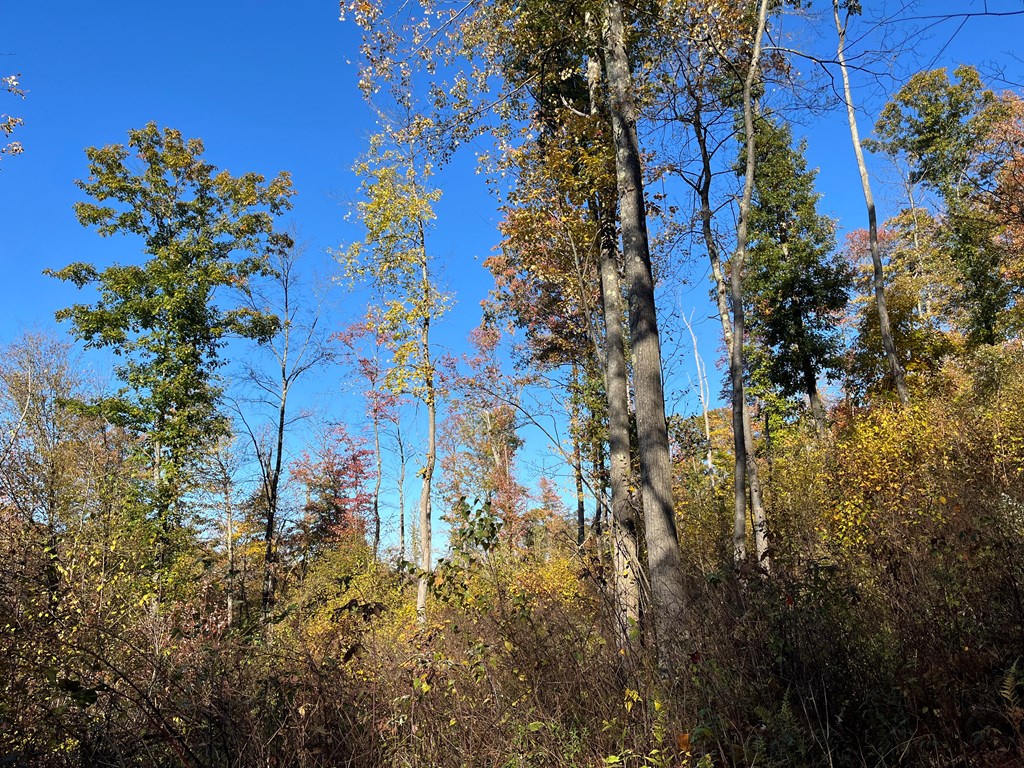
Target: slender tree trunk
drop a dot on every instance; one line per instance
(581, 508)
(877, 279)
(577, 456)
(625, 554)
(272, 483)
(229, 515)
(739, 422)
(666, 575)
(757, 512)
(702, 391)
(401, 490)
(428, 467)
(376, 486)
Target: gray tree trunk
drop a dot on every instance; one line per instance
(757, 512)
(666, 576)
(428, 466)
(878, 278)
(625, 554)
(740, 424)
(624, 528)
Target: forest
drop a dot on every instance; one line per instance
(525, 551)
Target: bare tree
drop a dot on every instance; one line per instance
(299, 346)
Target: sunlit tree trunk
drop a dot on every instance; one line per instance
(625, 555)
(430, 397)
(401, 489)
(665, 568)
(624, 528)
(877, 276)
(741, 419)
(376, 484)
(757, 512)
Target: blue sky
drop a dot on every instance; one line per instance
(271, 86)
(267, 86)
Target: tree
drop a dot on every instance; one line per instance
(796, 286)
(481, 431)
(335, 478)
(878, 277)
(703, 47)
(203, 231)
(944, 131)
(664, 563)
(393, 258)
(382, 407)
(297, 346)
(736, 364)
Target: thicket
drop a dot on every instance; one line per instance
(888, 633)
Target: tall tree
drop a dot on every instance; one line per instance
(736, 264)
(664, 562)
(297, 346)
(852, 7)
(393, 258)
(944, 131)
(702, 50)
(202, 231)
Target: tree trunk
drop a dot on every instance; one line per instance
(814, 398)
(666, 576)
(758, 517)
(401, 490)
(376, 486)
(741, 419)
(877, 279)
(428, 466)
(625, 557)
(577, 456)
(272, 484)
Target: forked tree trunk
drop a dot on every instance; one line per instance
(757, 513)
(740, 422)
(877, 276)
(666, 576)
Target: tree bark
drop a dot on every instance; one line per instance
(877, 277)
(666, 576)
(272, 484)
(376, 485)
(577, 455)
(401, 490)
(757, 512)
(428, 466)
(625, 552)
(624, 529)
(739, 423)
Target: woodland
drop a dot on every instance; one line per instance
(819, 566)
